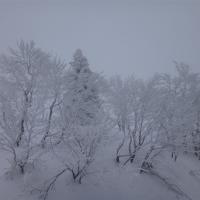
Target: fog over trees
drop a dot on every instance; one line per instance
(57, 118)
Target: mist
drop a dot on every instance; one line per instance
(118, 37)
(99, 99)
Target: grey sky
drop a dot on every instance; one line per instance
(118, 37)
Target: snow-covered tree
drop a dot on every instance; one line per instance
(82, 96)
(132, 102)
(22, 102)
(177, 113)
(82, 117)
(54, 90)
(120, 101)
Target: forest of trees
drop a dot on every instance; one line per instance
(66, 110)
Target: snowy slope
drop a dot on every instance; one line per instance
(107, 180)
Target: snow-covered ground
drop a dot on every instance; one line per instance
(106, 180)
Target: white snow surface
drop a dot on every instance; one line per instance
(106, 180)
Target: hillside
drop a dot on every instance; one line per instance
(108, 180)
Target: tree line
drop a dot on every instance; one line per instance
(49, 106)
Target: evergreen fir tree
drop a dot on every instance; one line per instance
(82, 97)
